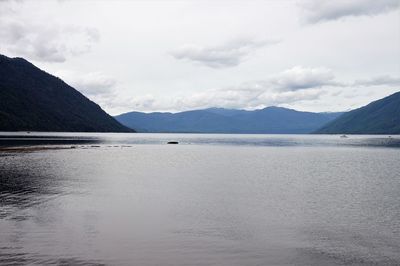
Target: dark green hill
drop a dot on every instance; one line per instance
(379, 117)
(33, 100)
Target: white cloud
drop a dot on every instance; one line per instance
(289, 97)
(238, 98)
(315, 11)
(384, 80)
(142, 102)
(90, 84)
(300, 77)
(46, 42)
(293, 85)
(227, 55)
(245, 98)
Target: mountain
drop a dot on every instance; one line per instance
(33, 100)
(379, 117)
(273, 120)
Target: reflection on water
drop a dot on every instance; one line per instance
(124, 203)
(22, 184)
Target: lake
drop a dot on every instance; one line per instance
(131, 199)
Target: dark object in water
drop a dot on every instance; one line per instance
(172, 142)
(344, 136)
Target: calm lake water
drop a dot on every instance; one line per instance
(130, 199)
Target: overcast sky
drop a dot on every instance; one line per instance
(315, 55)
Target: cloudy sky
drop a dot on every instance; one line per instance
(311, 55)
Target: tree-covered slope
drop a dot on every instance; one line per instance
(379, 117)
(33, 100)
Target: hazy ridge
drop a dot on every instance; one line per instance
(270, 120)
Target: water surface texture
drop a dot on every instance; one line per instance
(131, 199)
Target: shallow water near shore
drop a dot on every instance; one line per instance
(131, 199)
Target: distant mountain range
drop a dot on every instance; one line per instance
(33, 100)
(379, 117)
(270, 120)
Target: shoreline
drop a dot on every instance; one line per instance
(16, 149)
